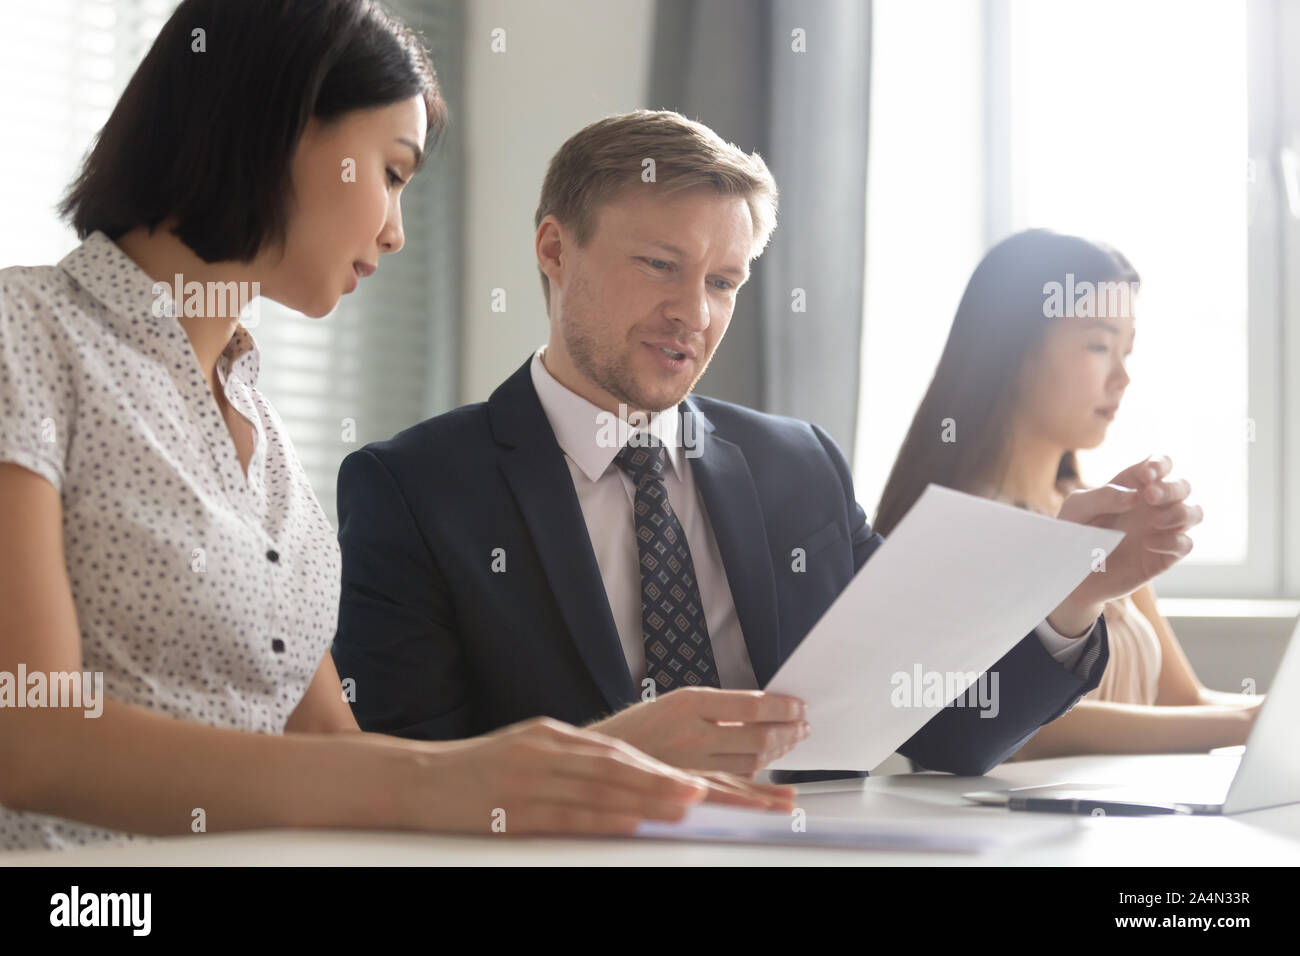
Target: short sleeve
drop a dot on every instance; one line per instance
(37, 399)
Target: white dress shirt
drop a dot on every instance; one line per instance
(606, 494)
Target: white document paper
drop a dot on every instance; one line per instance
(961, 580)
(975, 832)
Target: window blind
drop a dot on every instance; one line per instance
(388, 355)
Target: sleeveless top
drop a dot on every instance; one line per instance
(1132, 674)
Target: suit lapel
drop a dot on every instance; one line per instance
(534, 467)
(731, 502)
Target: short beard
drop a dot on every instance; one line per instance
(609, 370)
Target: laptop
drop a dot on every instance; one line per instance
(1267, 774)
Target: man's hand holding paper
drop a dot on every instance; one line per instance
(954, 589)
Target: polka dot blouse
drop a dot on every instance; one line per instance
(201, 592)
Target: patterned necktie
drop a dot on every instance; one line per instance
(677, 648)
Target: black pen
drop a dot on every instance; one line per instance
(1106, 807)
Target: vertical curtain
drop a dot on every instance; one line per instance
(735, 66)
(389, 354)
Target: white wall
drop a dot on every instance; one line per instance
(565, 65)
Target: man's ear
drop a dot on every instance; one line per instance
(550, 242)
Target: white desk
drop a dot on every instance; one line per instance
(1264, 837)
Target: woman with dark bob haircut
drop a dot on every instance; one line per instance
(169, 580)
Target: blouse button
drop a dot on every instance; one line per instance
(273, 555)
(277, 645)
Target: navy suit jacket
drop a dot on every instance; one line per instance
(441, 646)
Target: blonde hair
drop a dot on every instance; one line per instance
(609, 156)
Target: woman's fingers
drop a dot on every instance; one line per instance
(574, 782)
(631, 767)
(1166, 492)
(1144, 472)
(1083, 507)
(1181, 516)
(602, 797)
(580, 782)
(570, 806)
(565, 780)
(676, 785)
(631, 771)
(736, 791)
(1168, 542)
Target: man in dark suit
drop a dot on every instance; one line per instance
(596, 544)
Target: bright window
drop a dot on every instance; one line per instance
(1126, 121)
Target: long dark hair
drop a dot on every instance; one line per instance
(999, 325)
(206, 129)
